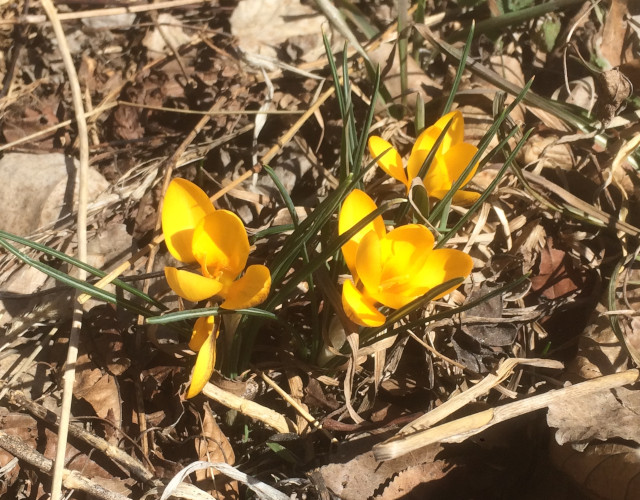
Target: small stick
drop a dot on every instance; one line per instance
(115, 11)
(71, 479)
(125, 459)
(459, 430)
(296, 406)
(83, 200)
(250, 408)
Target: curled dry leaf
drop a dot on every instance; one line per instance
(604, 470)
(98, 389)
(600, 416)
(557, 275)
(355, 474)
(544, 152)
(418, 82)
(414, 481)
(213, 446)
(261, 26)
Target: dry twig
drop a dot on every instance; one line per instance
(72, 480)
(72, 353)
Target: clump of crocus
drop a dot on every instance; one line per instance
(449, 162)
(195, 232)
(391, 268)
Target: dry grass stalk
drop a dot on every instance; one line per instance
(250, 408)
(70, 479)
(115, 11)
(462, 428)
(296, 406)
(76, 325)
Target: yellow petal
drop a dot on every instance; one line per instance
(250, 290)
(426, 140)
(457, 159)
(202, 328)
(391, 161)
(369, 262)
(203, 369)
(441, 265)
(437, 180)
(465, 198)
(184, 206)
(192, 286)
(404, 252)
(359, 308)
(356, 206)
(220, 243)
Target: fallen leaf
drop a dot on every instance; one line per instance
(355, 474)
(556, 276)
(413, 482)
(213, 446)
(600, 416)
(261, 26)
(605, 471)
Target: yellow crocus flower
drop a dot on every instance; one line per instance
(449, 162)
(391, 268)
(217, 240)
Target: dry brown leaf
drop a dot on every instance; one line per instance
(556, 276)
(599, 351)
(614, 31)
(166, 36)
(418, 82)
(261, 26)
(102, 324)
(544, 152)
(213, 446)
(509, 68)
(98, 389)
(37, 190)
(355, 474)
(413, 482)
(602, 416)
(606, 471)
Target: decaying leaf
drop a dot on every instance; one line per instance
(97, 388)
(413, 482)
(604, 470)
(600, 416)
(213, 446)
(556, 276)
(355, 473)
(261, 26)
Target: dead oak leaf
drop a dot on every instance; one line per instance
(557, 275)
(213, 446)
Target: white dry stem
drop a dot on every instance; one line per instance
(72, 353)
(262, 490)
(115, 11)
(459, 430)
(250, 408)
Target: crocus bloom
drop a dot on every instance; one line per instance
(450, 160)
(391, 268)
(195, 232)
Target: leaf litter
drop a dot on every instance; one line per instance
(566, 221)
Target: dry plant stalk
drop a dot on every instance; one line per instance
(83, 200)
(70, 479)
(250, 408)
(462, 428)
(115, 11)
(123, 458)
(296, 406)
